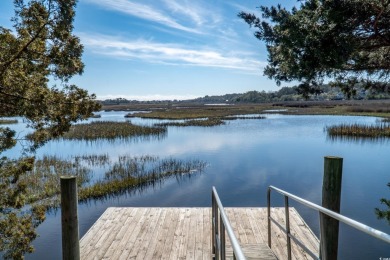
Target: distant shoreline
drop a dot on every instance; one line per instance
(380, 108)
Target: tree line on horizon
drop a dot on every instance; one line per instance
(323, 92)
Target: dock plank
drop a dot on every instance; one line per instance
(249, 232)
(116, 243)
(105, 241)
(136, 227)
(191, 235)
(185, 233)
(90, 239)
(145, 236)
(206, 241)
(165, 237)
(174, 248)
(98, 241)
(278, 238)
(156, 237)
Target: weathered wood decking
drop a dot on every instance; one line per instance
(185, 233)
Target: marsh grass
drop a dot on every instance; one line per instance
(194, 122)
(131, 173)
(44, 180)
(190, 110)
(356, 130)
(111, 130)
(95, 116)
(126, 174)
(8, 121)
(93, 160)
(242, 117)
(208, 122)
(201, 111)
(372, 109)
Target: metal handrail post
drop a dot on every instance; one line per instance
(217, 237)
(237, 251)
(223, 240)
(323, 240)
(213, 237)
(269, 216)
(287, 227)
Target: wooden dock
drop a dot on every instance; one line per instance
(185, 233)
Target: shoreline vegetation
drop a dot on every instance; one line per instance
(208, 122)
(95, 116)
(356, 130)
(208, 115)
(127, 174)
(8, 121)
(215, 114)
(111, 130)
(182, 110)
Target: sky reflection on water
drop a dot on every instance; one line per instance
(244, 157)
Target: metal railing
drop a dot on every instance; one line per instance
(219, 219)
(353, 223)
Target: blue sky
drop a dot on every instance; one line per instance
(166, 49)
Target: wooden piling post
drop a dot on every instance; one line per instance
(69, 219)
(331, 194)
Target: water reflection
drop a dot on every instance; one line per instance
(245, 157)
(358, 140)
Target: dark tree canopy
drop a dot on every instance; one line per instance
(39, 50)
(324, 39)
(40, 47)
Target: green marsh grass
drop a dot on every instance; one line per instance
(43, 181)
(242, 117)
(93, 160)
(8, 121)
(194, 122)
(356, 130)
(200, 111)
(111, 130)
(128, 173)
(95, 116)
(137, 172)
(208, 122)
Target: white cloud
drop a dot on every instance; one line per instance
(200, 14)
(174, 54)
(142, 11)
(185, 9)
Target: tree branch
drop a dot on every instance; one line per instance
(22, 50)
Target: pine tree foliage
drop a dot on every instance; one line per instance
(40, 49)
(322, 39)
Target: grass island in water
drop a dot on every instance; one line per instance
(8, 121)
(110, 130)
(126, 174)
(356, 130)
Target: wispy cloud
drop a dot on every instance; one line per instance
(142, 11)
(185, 9)
(174, 54)
(197, 11)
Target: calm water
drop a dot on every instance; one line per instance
(244, 157)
